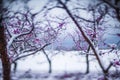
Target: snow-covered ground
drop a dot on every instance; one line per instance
(66, 65)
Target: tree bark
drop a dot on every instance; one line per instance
(6, 67)
(4, 56)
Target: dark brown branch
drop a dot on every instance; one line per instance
(31, 53)
(84, 19)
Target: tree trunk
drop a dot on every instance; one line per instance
(87, 60)
(4, 56)
(49, 61)
(14, 67)
(87, 63)
(3, 51)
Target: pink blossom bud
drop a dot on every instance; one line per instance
(16, 31)
(61, 24)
